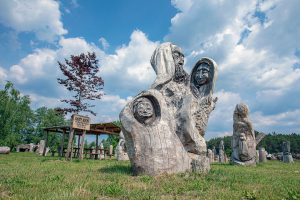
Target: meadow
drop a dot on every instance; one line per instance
(29, 176)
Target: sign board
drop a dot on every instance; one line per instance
(80, 122)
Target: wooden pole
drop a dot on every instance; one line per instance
(97, 147)
(82, 145)
(46, 144)
(78, 146)
(62, 144)
(70, 144)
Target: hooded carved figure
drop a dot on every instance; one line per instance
(167, 61)
(243, 140)
(203, 78)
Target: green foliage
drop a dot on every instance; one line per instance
(15, 115)
(273, 141)
(111, 140)
(46, 117)
(117, 123)
(214, 142)
(19, 124)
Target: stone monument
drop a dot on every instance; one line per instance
(221, 152)
(210, 155)
(111, 149)
(41, 146)
(121, 151)
(164, 126)
(243, 139)
(287, 156)
(102, 153)
(262, 155)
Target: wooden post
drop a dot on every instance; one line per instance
(78, 146)
(82, 146)
(46, 143)
(97, 148)
(70, 144)
(62, 144)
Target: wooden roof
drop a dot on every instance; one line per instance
(95, 129)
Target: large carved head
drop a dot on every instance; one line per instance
(241, 110)
(203, 77)
(167, 60)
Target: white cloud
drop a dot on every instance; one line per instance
(129, 68)
(115, 101)
(281, 35)
(258, 68)
(18, 73)
(40, 17)
(104, 43)
(38, 101)
(221, 118)
(286, 121)
(3, 75)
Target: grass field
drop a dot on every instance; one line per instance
(28, 176)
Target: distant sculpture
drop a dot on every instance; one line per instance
(102, 154)
(121, 151)
(243, 139)
(286, 150)
(262, 155)
(111, 149)
(164, 126)
(40, 148)
(222, 155)
(210, 155)
(25, 147)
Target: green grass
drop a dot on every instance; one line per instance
(28, 176)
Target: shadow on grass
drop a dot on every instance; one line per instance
(117, 169)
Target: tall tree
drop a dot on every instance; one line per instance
(82, 79)
(15, 115)
(45, 117)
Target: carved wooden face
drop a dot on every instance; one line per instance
(202, 74)
(178, 58)
(144, 108)
(243, 137)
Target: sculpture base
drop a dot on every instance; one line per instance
(287, 158)
(201, 165)
(251, 162)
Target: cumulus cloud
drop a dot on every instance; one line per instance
(3, 75)
(129, 68)
(40, 17)
(104, 43)
(254, 44)
(221, 120)
(280, 33)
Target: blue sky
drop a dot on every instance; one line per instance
(256, 44)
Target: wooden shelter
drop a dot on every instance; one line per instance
(95, 129)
